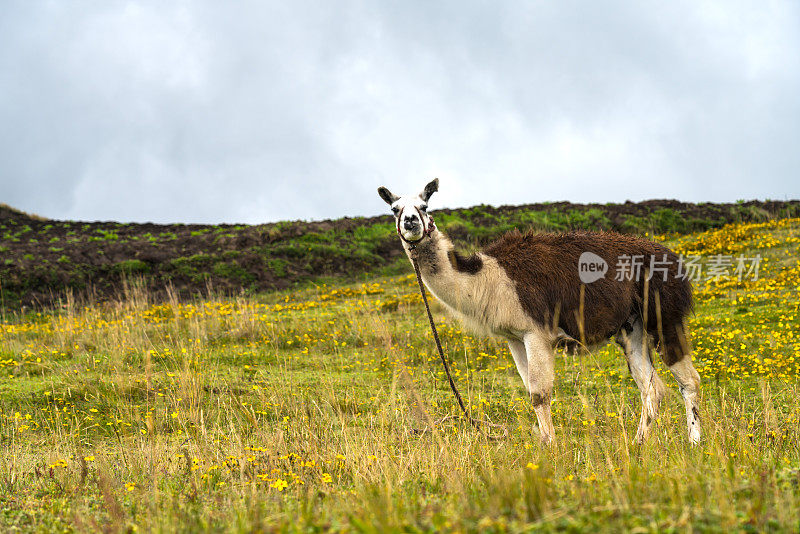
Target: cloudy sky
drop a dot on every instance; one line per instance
(206, 111)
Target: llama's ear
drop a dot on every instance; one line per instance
(430, 189)
(387, 196)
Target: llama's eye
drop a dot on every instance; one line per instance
(395, 210)
(423, 208)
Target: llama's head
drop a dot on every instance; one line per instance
(411, 212)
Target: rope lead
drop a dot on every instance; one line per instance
(439, 347)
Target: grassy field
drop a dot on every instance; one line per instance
(326, 408)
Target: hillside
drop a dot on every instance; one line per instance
(41, 260)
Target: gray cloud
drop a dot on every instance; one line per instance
(206, 112)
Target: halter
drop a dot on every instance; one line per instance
(426, 233)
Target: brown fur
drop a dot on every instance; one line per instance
(544, 268)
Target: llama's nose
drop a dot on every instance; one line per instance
(409, 223)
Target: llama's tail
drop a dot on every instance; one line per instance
(669, 303)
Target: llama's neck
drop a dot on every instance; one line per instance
(435, 257)
(431, 254)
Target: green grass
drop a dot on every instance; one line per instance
(323, 408)
(131, 267)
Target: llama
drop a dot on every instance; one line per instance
(526, 288)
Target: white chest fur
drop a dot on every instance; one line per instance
(486, 301)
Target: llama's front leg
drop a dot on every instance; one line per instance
(541, 364)
(637, 351)
(517, 349)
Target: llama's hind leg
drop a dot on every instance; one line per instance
(678, 358)
(637, 352)
(541, 372)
